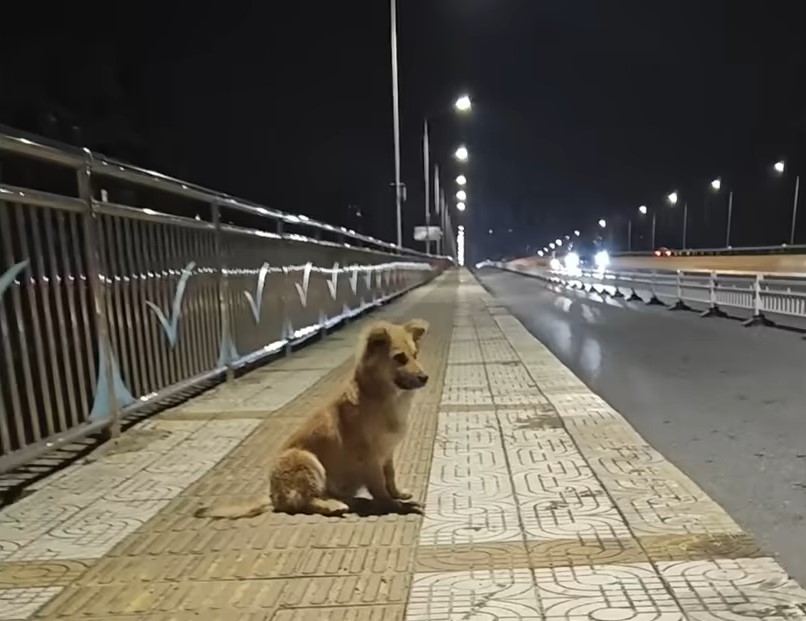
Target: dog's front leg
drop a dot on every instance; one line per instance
(391, 484)
(376, 485)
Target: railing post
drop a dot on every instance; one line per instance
(713, 308)
(98, 287)
(679, 305)
(654, 300)
(758, 318)
(223, 291)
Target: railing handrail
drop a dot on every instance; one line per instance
(66, 155)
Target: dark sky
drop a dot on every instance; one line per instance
(584, 108)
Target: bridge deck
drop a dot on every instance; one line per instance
(541, 503)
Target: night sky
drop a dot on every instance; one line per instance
(583, 108)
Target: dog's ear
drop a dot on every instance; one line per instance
(378, 337)
(416, 327)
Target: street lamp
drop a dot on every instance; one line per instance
(463, 103)
(461, 195)
(461, 180)
(552, 246)
(461, 206)
(603, 223)
(716, 184)
(576, 233)
(643, 211)
(673, 198)
(461, 154)
(779, 168)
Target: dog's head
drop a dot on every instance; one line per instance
(390, 352)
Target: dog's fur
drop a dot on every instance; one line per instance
(349, 444)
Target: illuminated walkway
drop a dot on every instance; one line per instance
(541, 503)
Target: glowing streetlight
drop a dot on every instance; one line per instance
(540, 253)
(559, 243)
(642, 210)
(716, 184)
(461, 195)
(461, 154)
(552, 246)
(461, 180)
(779, 167)
(603, 223)
(463, 103)
(576, 233)
(672, 198)
(461, 206)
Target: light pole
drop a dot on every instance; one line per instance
(779, 167)
(396, 120)
(643, 211)
(716, 185)
(673, 199)
(462, 105)
(427, 187)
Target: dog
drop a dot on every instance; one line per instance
(350, 443)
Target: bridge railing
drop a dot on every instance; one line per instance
(125, 289)
(766, 298)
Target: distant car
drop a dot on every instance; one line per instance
(663, 252)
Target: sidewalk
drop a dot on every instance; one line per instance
(541, 503)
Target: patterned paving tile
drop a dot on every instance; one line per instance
(90, 533)
(632, 591)
(478, 595)
(23, 603)
(734, 590)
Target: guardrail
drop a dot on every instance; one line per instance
(710, 252)
(760, 295)
(109, 308)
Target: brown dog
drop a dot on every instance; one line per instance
(349, 444)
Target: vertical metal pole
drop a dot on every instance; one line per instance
(396, 121)
(444, 235)
(730, 218)
(223, 287)
(97, 281)
(654, 222)
(426, 171)
(685, 223)
(629, 235)
(794, 211)
(438, 206)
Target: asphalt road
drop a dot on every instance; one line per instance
(726, 404)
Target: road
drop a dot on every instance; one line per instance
(725, 403)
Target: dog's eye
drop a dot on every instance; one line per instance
(401, 358)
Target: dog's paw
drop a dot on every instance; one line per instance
(411, 506)
(405, 507)
(402, 495)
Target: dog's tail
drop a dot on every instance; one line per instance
(232, 511)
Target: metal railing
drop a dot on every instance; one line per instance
(782, 296)
(135, 288)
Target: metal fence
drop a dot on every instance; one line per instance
(766, 298)
(130, 288)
